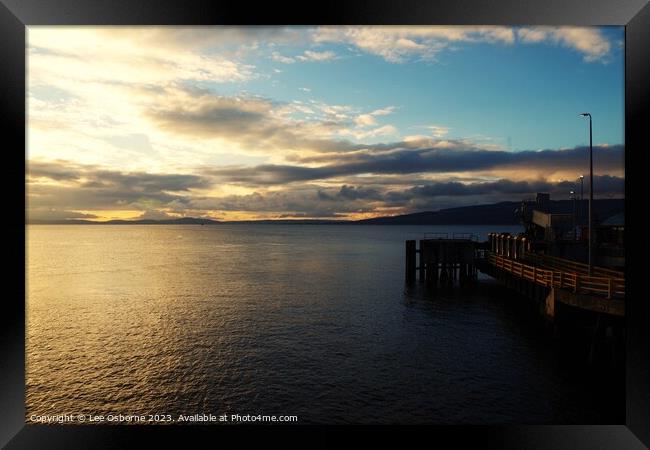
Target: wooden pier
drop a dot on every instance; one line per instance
(546, 279)
(510, 260)
(443, 261)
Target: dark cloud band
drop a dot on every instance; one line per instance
(89, 188)
(429, 160)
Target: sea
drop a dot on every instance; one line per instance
(309, 321)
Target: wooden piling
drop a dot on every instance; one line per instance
(410, 261)
(434, 267)
(446, 261)
(422, 262)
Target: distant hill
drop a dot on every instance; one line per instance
(181, 221)
(186, 221)
(289, 222)
(494, 214)
(502, 213)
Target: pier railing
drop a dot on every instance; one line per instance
(609, 287)
(561, 264)
(436, 235)
(444, 235)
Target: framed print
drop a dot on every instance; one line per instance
(247, 223)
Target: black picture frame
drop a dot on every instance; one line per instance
(15, 15)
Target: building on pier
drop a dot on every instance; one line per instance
(561, 229)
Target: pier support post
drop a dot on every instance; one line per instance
(443, 275)
(422, 264)
(410, 261)
(434, 269)
(430, 273)
(445, 262)
(549, 307)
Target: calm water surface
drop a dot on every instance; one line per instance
(308, 320)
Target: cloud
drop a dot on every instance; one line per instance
(302, 201)
(275, 56)
(309, 55)
(398, 160)
(304, 89)
(306, 56)
(204, 38)
(384, 130)
(130, 55)
(359, 192)
(346, 199)
(438, 131)
(588, 41)
(222, 116)
(397, 44)
(68, 186)
(156, 215)
(54, 214)
(272, 174)
(252, 123)
(65, 190)
(431, 196)
(383, 111)
(54, 170)
(314, 201)
(606, 184)
(366, 120)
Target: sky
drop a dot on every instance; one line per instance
(240, 123)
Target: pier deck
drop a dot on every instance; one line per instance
(595, 293)
(545, 278)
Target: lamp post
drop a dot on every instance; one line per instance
(573, 231)
(581, 205)
(591, 192)
(582, 187)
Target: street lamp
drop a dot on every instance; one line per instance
(582, 187)
(573, 232)
(581, 204)
(591, 191)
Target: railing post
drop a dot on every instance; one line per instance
(609, 288)
(561, 275)
(534, 274)
(577, 285)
